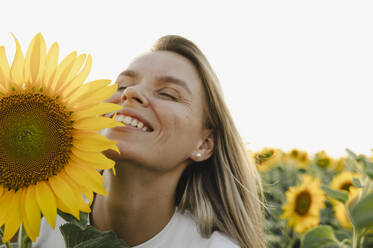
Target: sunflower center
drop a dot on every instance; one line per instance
(35, 139)
(294, 154)
(323, 162)
(303, 203)
(346, 186)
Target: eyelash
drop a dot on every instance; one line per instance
(168, 95)
(163, 94)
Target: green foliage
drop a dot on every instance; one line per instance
(320, 237)
(356, 183)
(362, 213)
(89, 237)
(329, 233)
(71, 219)
(78, 234)
(335, 194)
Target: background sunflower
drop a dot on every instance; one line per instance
(298, 157)
(266, 158)
(344, 181)
(304, 203)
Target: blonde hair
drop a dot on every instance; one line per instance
(224, 192)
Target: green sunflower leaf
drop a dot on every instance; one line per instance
(352, 154)
(89, 237)
(368, 168)
(361, 212)
(335, 194)
(71, 219)
(320, 237)
(1, 234)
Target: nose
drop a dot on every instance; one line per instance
(133, 93)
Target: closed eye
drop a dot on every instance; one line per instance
(121, 88)
(168, 95)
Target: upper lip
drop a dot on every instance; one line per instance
(133, 114)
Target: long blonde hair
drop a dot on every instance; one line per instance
(224, 192)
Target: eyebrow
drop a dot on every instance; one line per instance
(165, 79)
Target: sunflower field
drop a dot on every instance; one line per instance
(316, 201)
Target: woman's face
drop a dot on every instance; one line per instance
(163, 90)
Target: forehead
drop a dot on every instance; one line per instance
(165, 63)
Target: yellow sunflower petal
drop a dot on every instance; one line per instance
(93, 142)
(4, 71)
(25, 221)
(7, 197)
(27, 69)
(88, 171)
(13, 218)
(84, 206)
(32, 213)
(98, 109)
(47, 202)
(35, 59)
(62, 70)
(78, 190)
(92, 99)
(96, 160)
(51, 64)
(87, 90)
(77, 82)
(96, 123)
(87, 193)
(69, 73)
(65, 80)
(16, 71)
(63, 192)
(79, 177)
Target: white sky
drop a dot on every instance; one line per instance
(296, 74)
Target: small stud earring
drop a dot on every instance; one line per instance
(198, 155)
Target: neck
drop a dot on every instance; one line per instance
(140, 202)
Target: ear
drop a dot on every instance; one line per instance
(205, 148)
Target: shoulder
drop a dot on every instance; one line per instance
(221, 240)
(190, 230)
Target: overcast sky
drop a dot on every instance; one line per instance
(295, 74)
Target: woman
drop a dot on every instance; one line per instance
(183, 176)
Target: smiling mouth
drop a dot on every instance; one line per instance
(130, 121)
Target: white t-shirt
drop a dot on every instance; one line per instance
(180, 232)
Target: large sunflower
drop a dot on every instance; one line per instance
(343, 181)
(50, 150)
(304, 203)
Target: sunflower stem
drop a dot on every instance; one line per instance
(356, 238)
(25, 241)
(7, 244)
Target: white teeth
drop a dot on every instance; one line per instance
(134, 122)
(127, 120)
(131, 121)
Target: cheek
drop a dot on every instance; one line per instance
(180, 127)
(173, 117)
